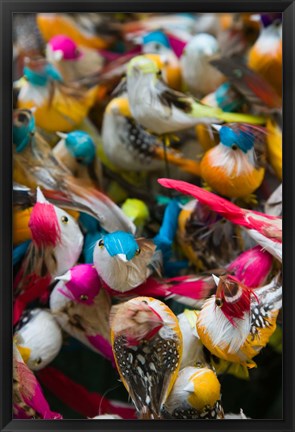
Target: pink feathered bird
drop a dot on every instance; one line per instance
(265, 229)
(56, 246)
(28, 399)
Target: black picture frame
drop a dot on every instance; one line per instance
(8, 7)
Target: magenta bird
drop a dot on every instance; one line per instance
(28, 399)
(82, 307)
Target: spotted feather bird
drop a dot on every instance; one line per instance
(237, 322)
(130, 147)
(147, 346)
(195, 395)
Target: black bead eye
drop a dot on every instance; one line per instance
(218, 302)
(101, 243)
(83, 297)
(137, 252)
(64, 219)
(79, 160)
(234, 147)
(38, 361)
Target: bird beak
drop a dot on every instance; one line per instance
(65, 278)
(122, 257)
(216, 127)
(24, 352)
(216, 280)
(58, 55)
(62, 135)
(40, 197)
(189, 387)
(33, 109)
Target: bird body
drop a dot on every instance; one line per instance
(73, 62)
(162, 110)
(200, 77)
(237, 322)
(122, 261)
(265, 229)
(38, 337)
(58, 108)
(28, 399)
(56, 246)
(130, 147)
(265, 57)
(147, 346)
(195, 395)
(230, 168)
(77, 152)
(82, 307)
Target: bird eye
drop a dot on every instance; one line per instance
(234, 147)
(137, 252)
(218, 302)
(64, 219)
(101, 243)
(38, 361)
(83, 297)
(79, 160)
(159, 73)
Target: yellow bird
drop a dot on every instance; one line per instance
(195, 395)
(58, 107)
(274, 147)
(233, 168)
(265, 57)
(237, 322)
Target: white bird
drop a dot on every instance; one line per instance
(198, 74)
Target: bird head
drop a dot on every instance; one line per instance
(39, 72)
(23, 128)
(142, 65)
(51, 226)
(237, 139)
(203, 388)
(80, 145)
(61, 47)
(119, 106)
(136, 210)
(43, 223)
(135, 320)
(155, 42)
(38, 338)
(232, 297)
(80, 284)
(203, 44)
(119, 244)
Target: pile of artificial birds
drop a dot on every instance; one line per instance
(147, 180)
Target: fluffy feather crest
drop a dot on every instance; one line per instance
(135, 320)
(43, 223)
